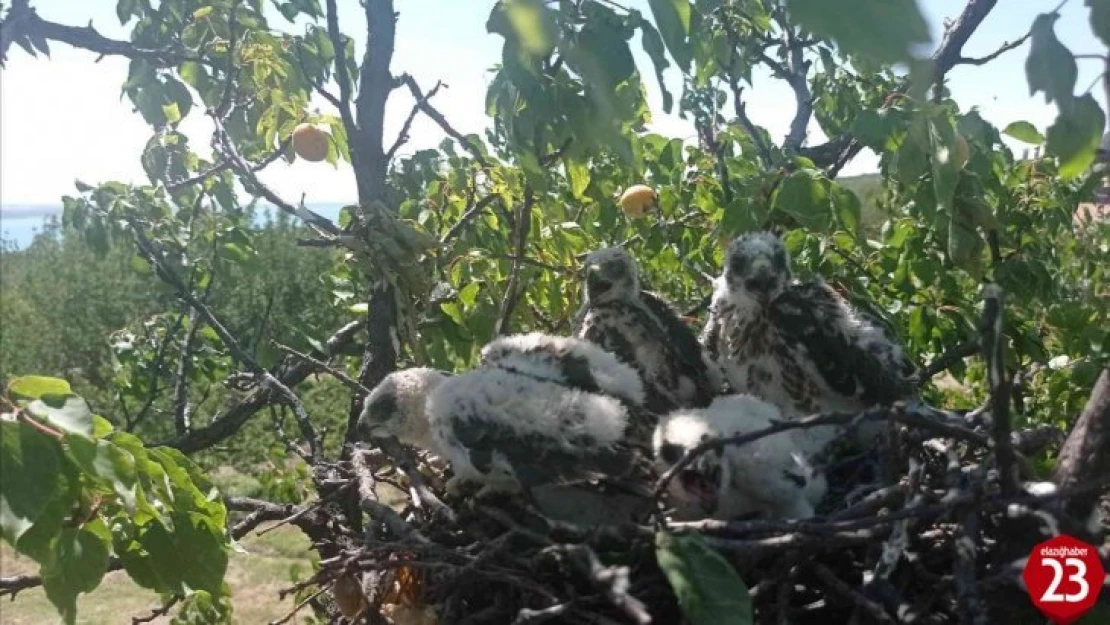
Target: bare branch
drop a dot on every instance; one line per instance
(468, 216)
(945, 361)
(403, 136)
(512, 290)
(223, 165)
(264, 377)
(228, 422)
(23, 21)
(181, 383)
(158, 612)
(323, 366)
(429, 110)
(1006, 47)
(1086, 452)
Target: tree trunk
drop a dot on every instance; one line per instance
(1085, 455)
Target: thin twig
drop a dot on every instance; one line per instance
(431, 111)
(403, 136)
(947, 360)
(512, 290)
(158, 612)
(323, 366)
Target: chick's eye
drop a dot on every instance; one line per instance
(738, 264)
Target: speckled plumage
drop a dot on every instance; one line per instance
(395, 407)
(644, 332)
(800, 346)
(770, 477)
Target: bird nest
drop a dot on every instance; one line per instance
(930, 526)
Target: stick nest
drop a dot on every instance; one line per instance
(921, 528)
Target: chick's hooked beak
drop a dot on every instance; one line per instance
(762, 276)
(595, 281)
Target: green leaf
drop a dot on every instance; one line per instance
(653, 45)
(108, 462)
(171, 112)
(1024, 131)
(847, 206)
(1050, 66)
(578, 175)
(37, 386)
(911, 161)
(708, 588)
(803, 197)
(965, 248)
(29, 480)
(946, 171)
(469, 294)
(885, 31)
(673, 19)
(79, 562)
(125, 9)
(526, 23)
(1100, 19)
(68, 413)
(1075, 136)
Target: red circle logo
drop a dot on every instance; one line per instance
(1064, 577)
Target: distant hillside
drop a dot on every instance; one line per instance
(868, 188)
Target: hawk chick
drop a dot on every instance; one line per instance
(643, 331)
(770, 476)
(800, 346)
(396, 407)
(511, 431)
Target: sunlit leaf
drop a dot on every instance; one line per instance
(1050, 66)
(708, 588)
(1075, 136)
(1024, 131)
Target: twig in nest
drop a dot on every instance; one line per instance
(368, 502)
(422, 496)
(835, 584)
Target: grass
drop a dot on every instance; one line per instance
(255, 578)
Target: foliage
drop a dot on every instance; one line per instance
(76, 493)
(708, 588)
(484, 234)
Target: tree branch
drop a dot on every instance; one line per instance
(1006, 47)
(512, 290)
(839, 151)
(264, 377)
(383, 342)
(429, 110)
(1086, 452)
(994, 352)
(181, 419)
(403, 136)
(23, 21)
(227, 423)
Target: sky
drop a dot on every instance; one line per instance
(62, 118)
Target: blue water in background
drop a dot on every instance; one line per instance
(19, 223)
